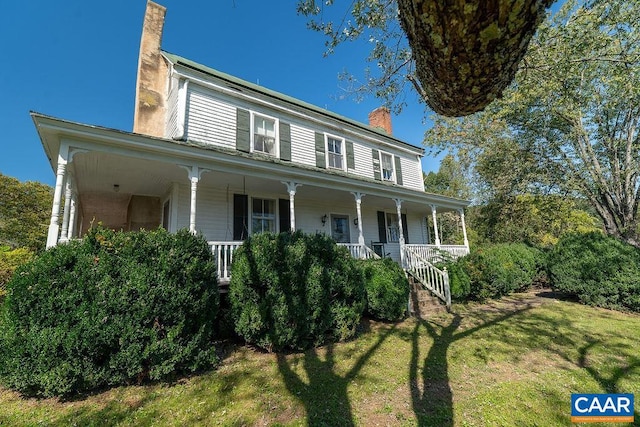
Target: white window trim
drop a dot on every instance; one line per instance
(276, 128)
(344, 151)
(393, 167)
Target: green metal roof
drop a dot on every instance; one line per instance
(175, 59)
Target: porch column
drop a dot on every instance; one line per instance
(435, 224)
(195, 173)
(52, 237)
(464, 228)
(358, 196)
(400, 230)
(291, 189)
(64, 233)
(72, 216)
(194, 178)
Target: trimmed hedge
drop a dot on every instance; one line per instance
(295, 291)
(387, 289)
(599, 270)
(495, 270)
(112, 309)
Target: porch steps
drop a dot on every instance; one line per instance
(422, 303)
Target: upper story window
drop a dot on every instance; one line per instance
(335, 152)
(265, 134)
(387, 166)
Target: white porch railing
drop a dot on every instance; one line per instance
(360, 251)
(434, 253)
(223, 253)
(431, 278)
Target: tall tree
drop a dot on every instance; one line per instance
(457, 55)
(24, 213)
(569, 124)
(450, 180)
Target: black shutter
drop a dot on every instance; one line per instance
(405, 229)
(320, 154)
(243, 131)
(285, 215)
(351, 161)
(285, 141)
(376, 165)
(382, 228)
(398, 170)
(240, 216)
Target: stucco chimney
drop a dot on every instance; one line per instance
(153, 72)
(381, 118)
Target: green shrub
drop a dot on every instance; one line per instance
(10, 260)
(597, 269)
(114, 308)
(295, 291)
(459, 282)
(387, 289)
(501, 269)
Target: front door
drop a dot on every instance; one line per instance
(340, 228)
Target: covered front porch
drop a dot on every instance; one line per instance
(129, 182)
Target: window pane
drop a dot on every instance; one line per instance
(269, 207)
(257, 206)
(335, 161)
(334, 145)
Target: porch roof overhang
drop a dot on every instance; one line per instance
(75, 138)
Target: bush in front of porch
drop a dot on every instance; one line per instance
(387, 289)
(492, 271)
(295, 291)
(114, 308)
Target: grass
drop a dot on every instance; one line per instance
(511, 362)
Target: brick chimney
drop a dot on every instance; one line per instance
(153, 72)
(380, 118)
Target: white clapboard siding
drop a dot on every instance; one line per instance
(302, 145)
(210, 120)
(362, 159)
(411, 173)
(214, 214)
(416, 227)
(171, 130)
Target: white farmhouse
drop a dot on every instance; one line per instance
(227, 158)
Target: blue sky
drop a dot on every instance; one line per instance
(77, 60)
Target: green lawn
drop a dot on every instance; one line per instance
(510, 362)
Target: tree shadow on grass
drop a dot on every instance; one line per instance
(324, 391)
(551, 332)
(431, 394)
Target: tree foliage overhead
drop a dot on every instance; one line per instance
(457, 55)
(25, 209)
(450, 180)
(569, 125)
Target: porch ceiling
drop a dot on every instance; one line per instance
(99, 172)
